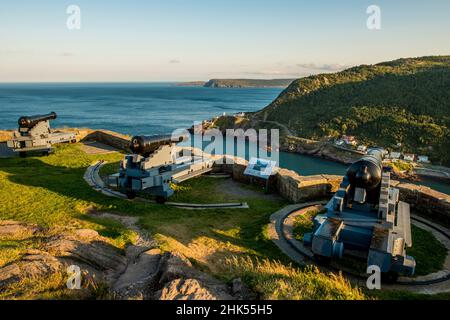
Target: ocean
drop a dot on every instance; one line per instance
(130, 108)
(148, 109)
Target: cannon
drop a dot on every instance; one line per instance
(156, 162)
(365, 219)
(34, 134)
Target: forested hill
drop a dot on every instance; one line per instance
(403, 101)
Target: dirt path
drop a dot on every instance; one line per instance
(142, 258)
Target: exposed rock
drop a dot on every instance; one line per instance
(96, 258)
(140, 274)
(179, 280)
(14, 230)
(36, 264)
(192, 289)
(88, 249)
(137, 279)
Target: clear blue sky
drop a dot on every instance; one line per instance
(165, 40)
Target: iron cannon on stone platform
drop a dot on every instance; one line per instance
(34, 134)
(156, 162)
(365, 219)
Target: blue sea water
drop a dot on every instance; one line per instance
(131, 108)
(147, 108)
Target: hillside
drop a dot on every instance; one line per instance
(248, 83)
(403, 101)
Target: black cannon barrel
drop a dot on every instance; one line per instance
(366, 172)
(31, 121)
(146, 145)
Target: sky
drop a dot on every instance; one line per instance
(176, 40)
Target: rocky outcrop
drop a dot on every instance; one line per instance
(136, 273)
(14, 230)
(97, 259)
(318, 149)
(180, 281)
(35, 264)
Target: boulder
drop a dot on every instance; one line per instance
(35, 264)
(192, 289)
(14, 230)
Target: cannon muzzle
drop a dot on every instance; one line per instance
(31, 121)
(146, 145)
(366, 172)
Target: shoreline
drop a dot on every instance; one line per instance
(326, 153)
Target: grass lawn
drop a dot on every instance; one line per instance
(228, 243)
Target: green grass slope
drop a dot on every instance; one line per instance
(51, 192)
(406, 101)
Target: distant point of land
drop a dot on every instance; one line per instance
(239, 83)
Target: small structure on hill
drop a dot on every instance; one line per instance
(393, 155)
(362, 148)
(261, 169)
(34, 134)
(423, 159)
(350, 140)
(409, 157)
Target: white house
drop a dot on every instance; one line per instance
(339, 142)
(349, 140)
(362, 148)
(409, 157)
(423, 159)
(394, 155)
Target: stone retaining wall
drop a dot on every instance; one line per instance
(296, 189)
(287, 183)
(107, 137)
(110, 138)
(426, 200)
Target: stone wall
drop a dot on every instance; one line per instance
(110, 138)
(287, 183)
(107, 137)
(426, 201)
(295, 188)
